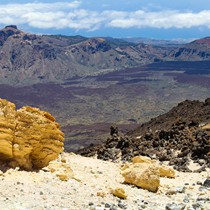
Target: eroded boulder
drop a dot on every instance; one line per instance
(144, 175)
(7, 129)
(29, 137)
(165, 171)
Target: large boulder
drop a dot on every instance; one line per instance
(7, 129)
(165, 171)
(29, 138)
(144, 175)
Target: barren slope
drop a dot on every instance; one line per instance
(91, 190)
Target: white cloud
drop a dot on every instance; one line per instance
(162, 19)
(61, 15)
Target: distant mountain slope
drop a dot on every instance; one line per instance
(193, 51)
(157, 42)
(29, 58)
(185, 112)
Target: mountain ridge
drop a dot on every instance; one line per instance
(29, 58)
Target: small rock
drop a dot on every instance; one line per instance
(107, 205)
(196, 206)
(166, 171)
(171, 192)
(119, 192)
(114, 207)
(44, 197)
(201, 188)
(62, 177)
(122, 205)
(180, 189)
(199, 183)
(101, 194)
(206, 183)
(62, 170)
(190, 208)
(186, 199)
(203, 198)
(99, 208)
(63, 160)
(175, 206)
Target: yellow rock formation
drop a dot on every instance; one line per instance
(206, 127)
(142, 159)
(166, 171)
(7, 128)
(119, 192)
(62, 170)
(144, 175)
(29, 138)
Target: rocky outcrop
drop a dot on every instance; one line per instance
(7, 129)
(196, 50)
(179, 136)
(29, 138)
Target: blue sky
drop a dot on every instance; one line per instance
(160, 19)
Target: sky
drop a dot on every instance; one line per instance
(158, 19)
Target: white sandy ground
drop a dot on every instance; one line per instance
(43, 190)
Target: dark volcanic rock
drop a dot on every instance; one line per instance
(177, 136)
(7, 32)
(206, 183)
(11, 26)
(175, 206)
